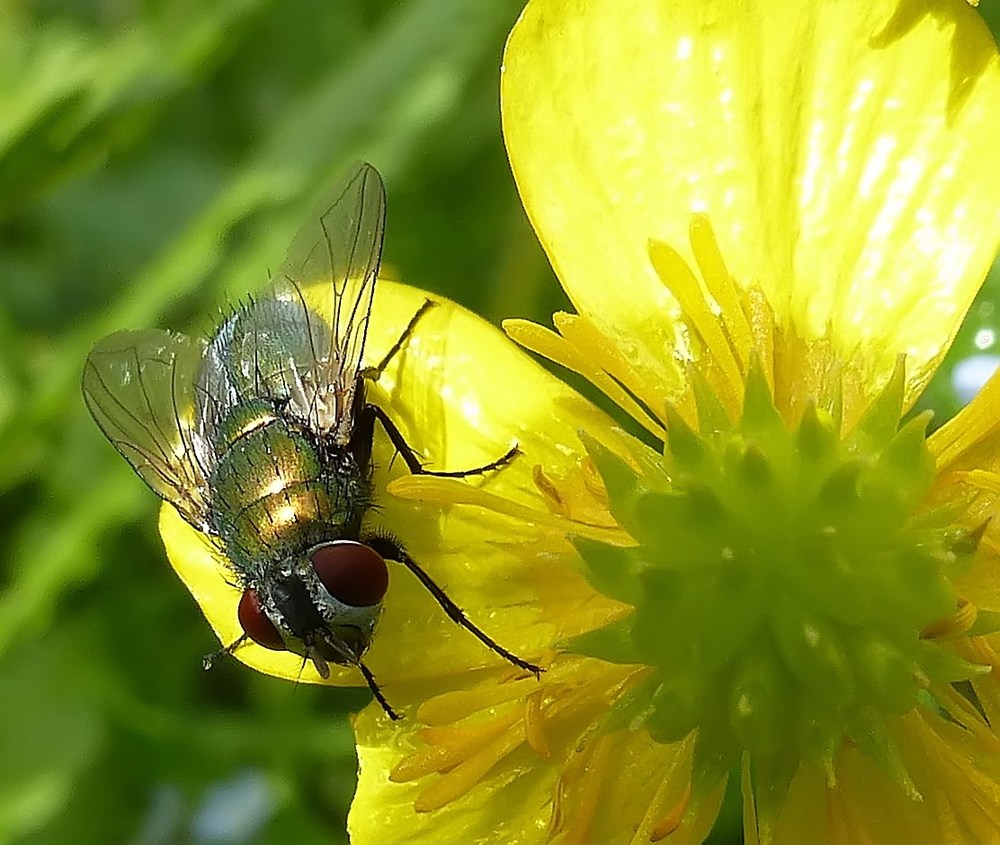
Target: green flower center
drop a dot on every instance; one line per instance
(781, 581)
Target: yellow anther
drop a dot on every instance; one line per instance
(672, 820)
(578, 794)
(533, 724)
(953, 626)
(681, 281)
(981, 478)
(592, 481)
(721, 286)
(548, 489)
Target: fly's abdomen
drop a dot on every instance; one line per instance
(273, 494)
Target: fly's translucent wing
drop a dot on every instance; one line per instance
(139, 387)
(331, 268)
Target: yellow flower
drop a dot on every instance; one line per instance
(771, 218)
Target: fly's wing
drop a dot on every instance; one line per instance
(330, 269)
(139, 387)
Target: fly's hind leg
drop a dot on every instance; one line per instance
(392, 550)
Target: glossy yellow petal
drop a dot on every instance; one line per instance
(462, 394)
(843, 152)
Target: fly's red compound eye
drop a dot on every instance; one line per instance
(351, 572)
(255, 623)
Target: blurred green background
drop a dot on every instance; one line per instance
(155, 159)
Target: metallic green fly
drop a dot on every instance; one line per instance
(262, 436)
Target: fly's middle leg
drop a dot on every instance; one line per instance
(412, 460)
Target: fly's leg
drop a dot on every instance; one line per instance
(374, 373)
(413, 461)
(389, 548)
(377, 692)
(395, 435)
(209, 659)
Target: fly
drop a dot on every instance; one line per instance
(261, 438)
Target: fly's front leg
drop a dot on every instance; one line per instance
(371, 412)
(374, 373)
(390, 549)
(376, 691)
(208, 661)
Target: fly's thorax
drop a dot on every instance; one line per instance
(275, 350)
(323, 604)
(277, 487)
(261, 349)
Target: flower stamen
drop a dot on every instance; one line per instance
(534, 734)
(548, 490)
(455, 705)
(467, 773)
(578, 495)
(471, 731)
(447, 747)
(452, 491)
(722, 287)
(672, 820)
(956, 625)
(584, 362)
(699, 318)
(581, 779)
(593, 482)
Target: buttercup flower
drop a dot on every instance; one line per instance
(771, 218)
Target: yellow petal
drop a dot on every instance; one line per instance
(843, 152)
(955, 769)
(462, 394)
(971, 439)
(967, 451)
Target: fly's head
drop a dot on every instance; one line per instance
(323, 604)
